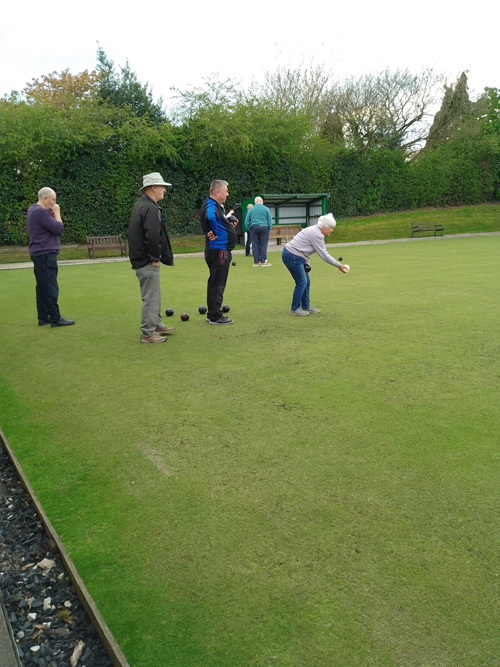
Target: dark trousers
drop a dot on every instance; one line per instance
(260, 239)
(248, 244)
(47, 289)
(218, 263)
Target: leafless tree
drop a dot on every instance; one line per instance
(389, 109)
(303, 88)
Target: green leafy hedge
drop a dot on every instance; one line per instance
(95, 157)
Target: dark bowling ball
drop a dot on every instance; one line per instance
(307, 268)
(340, 259)
(169, 312)
(202, 310)
(233, 263)
(184, 317)
(225, 309)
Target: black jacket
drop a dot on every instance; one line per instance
(147, 237)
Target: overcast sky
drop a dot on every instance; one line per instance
(180, 44)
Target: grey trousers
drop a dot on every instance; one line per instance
(149, 281)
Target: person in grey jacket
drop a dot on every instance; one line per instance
(149, 246)
(259, 223)
(296, 257)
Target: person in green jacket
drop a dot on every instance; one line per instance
(259, 223)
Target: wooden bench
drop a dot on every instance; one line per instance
(283, 232)
(436, 227)
(105, 243)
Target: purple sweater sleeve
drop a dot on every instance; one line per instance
(44, 231)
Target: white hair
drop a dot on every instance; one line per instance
(45, 192)
(326, 221)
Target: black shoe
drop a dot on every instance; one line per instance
(62, 322)
(221, 320)
(42, 322)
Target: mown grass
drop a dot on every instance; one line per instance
(283, 491)
(457, 220)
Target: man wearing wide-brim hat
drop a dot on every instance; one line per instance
(149, 246)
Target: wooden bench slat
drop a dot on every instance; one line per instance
(107, 241)
(436, 227)
(284, 232)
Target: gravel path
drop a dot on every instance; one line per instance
(49, 624)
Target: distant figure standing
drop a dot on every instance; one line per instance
(45, 228)
(220, 239)
(249, 240)
(296, 257)
(259, 221)
(149, 246)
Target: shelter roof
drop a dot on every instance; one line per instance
(297, 199)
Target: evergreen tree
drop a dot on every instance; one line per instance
(124, 90)
(455, 109)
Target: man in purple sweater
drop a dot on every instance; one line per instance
(45, 228)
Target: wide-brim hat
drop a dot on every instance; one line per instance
(153, 179)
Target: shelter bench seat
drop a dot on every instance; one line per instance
(104, 243)
(436, 227)
(283, 232)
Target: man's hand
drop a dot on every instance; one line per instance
(211, 235)
(155, 263)
(56, 212)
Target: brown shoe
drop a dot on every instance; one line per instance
(155, 338)
(163, 330)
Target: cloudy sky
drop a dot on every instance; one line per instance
(178, 45)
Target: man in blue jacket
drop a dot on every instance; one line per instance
(220, 239)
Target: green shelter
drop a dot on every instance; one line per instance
(291, 209)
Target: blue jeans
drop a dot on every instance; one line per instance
(295, 265)
(260, 238)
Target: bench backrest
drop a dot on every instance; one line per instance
(284, 230)
(423, 225)
(104, 240)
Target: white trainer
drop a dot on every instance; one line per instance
(299, 312)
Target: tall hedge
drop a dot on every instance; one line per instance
(94, 157)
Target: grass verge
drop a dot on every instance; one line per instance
(457, 220)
